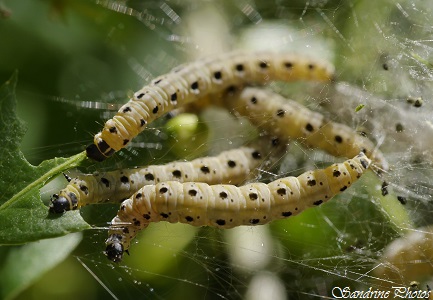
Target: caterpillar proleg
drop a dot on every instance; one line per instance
(227, 206)
(191, 82)
(232, 167)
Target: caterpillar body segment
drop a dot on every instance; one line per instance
(288, 119)
(227, 206)
(232, 167)
(192, 82)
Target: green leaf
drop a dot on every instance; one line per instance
(25, 264)
(23, 216)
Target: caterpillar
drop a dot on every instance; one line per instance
(285, 119)
(407, 258)
(227, 206)
(233, 166)
(191, 82)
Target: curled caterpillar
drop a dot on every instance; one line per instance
(227, 206)
(288, 119)
(191, 82)
(233, 167)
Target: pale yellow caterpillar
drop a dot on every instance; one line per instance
(407, 258)
(287, 119)
(191, 82)
(233, 167)
(227, 206)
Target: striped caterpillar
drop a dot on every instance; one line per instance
(288, 119)
(233, 166)
(191, 82)
(227, 206)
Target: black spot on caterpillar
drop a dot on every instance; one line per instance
(227, 206)
(402, 200)
(190, 82)
(287, 119)
(384, 188)
(233, 166)
(399, 127)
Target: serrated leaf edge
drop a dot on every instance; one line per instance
(73, 161)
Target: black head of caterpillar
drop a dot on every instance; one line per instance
(194, 81)
(228, 206)
(60, 204)
(65, 201)
(96, 152)
(114, 250)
